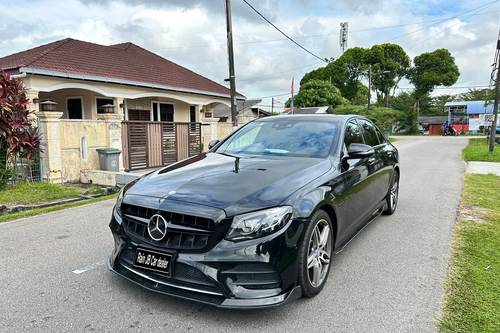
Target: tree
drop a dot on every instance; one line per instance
(433, 69)
(317, 93)
(18, 136)
(390, 64)
(344, 73)
(478, 95)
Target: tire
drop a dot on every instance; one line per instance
(313, 277)
(392, 195)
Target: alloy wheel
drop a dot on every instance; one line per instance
(318, 256)
(393, 197)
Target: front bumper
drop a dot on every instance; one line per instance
(245, 275)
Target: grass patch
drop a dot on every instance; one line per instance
(477, 150)
(32, 193)
(473, 288)
(38, 211)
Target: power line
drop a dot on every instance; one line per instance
(284, 34)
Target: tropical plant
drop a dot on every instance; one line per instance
(18, 136)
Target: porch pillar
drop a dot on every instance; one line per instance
(32, 95)
(114, 125)
(51, 166)
(120, 106)
(208, 131)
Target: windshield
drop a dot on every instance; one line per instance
(282, 137)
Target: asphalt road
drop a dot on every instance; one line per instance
(388, 279)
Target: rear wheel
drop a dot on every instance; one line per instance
(315, 254)
(393, 195)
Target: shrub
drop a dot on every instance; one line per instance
(383, 117)
(18, 136)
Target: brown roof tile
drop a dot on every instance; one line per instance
(125, 61)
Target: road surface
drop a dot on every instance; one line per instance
(388, 279)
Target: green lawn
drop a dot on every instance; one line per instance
(32, 193)
(38, 211)
(477, 150)
(473, 287)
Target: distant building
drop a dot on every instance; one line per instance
(432, 125)
(308, 110)
(247, 110)
(469, 115)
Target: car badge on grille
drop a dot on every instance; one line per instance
(157, 227)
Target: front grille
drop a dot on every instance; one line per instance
(135, 221)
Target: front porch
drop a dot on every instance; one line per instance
(152, 128)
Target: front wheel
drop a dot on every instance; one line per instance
(315, 254)
(393, 195)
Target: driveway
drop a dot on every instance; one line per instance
(388, 279)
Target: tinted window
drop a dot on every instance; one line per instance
(352, 134)
(282, 137)
(381, 137)
(369, 133)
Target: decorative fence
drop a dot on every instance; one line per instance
(24, 169)
(154, 144)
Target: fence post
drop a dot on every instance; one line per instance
(51, 164)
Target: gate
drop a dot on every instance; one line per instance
(149, 144)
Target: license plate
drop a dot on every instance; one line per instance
(154, 261)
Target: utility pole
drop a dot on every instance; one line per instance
(272, 105)
(344, 28)
(232, 81)
(493, 127)
(369, 86)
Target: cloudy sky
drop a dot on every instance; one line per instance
(192, 33)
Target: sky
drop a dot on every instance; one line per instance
(192, 33)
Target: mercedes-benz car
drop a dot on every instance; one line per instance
(256, 221)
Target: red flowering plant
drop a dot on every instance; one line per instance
(18, 136)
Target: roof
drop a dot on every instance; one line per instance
(222, 110)
(124, 63)
(308, 110)
(473, 107)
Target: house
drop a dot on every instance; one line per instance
(87, 96)
(308, 110)
(469, 115)
(247, 110)
(433, 125)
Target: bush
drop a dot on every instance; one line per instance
(18, 136)
(383, 117)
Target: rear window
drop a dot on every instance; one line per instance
(369, 133)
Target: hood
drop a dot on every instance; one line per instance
(233, 184)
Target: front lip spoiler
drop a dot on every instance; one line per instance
(221, 302)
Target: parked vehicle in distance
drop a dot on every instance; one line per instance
(256, 220)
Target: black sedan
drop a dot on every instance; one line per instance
(256, 220)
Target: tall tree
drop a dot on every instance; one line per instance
(317, 93)
(344, 73)
(433, 69)
(390, 64)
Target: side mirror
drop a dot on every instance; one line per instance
(359, 150)
(212, 144)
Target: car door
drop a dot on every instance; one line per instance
(380, 172)
(353, 205)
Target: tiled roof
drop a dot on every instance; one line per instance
(126, 61)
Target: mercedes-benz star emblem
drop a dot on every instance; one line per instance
(157, 227)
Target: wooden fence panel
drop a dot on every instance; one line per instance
(154, 144)
(154, 147)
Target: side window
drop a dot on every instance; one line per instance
(381, 137)
(352, 133)
(369, 133)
